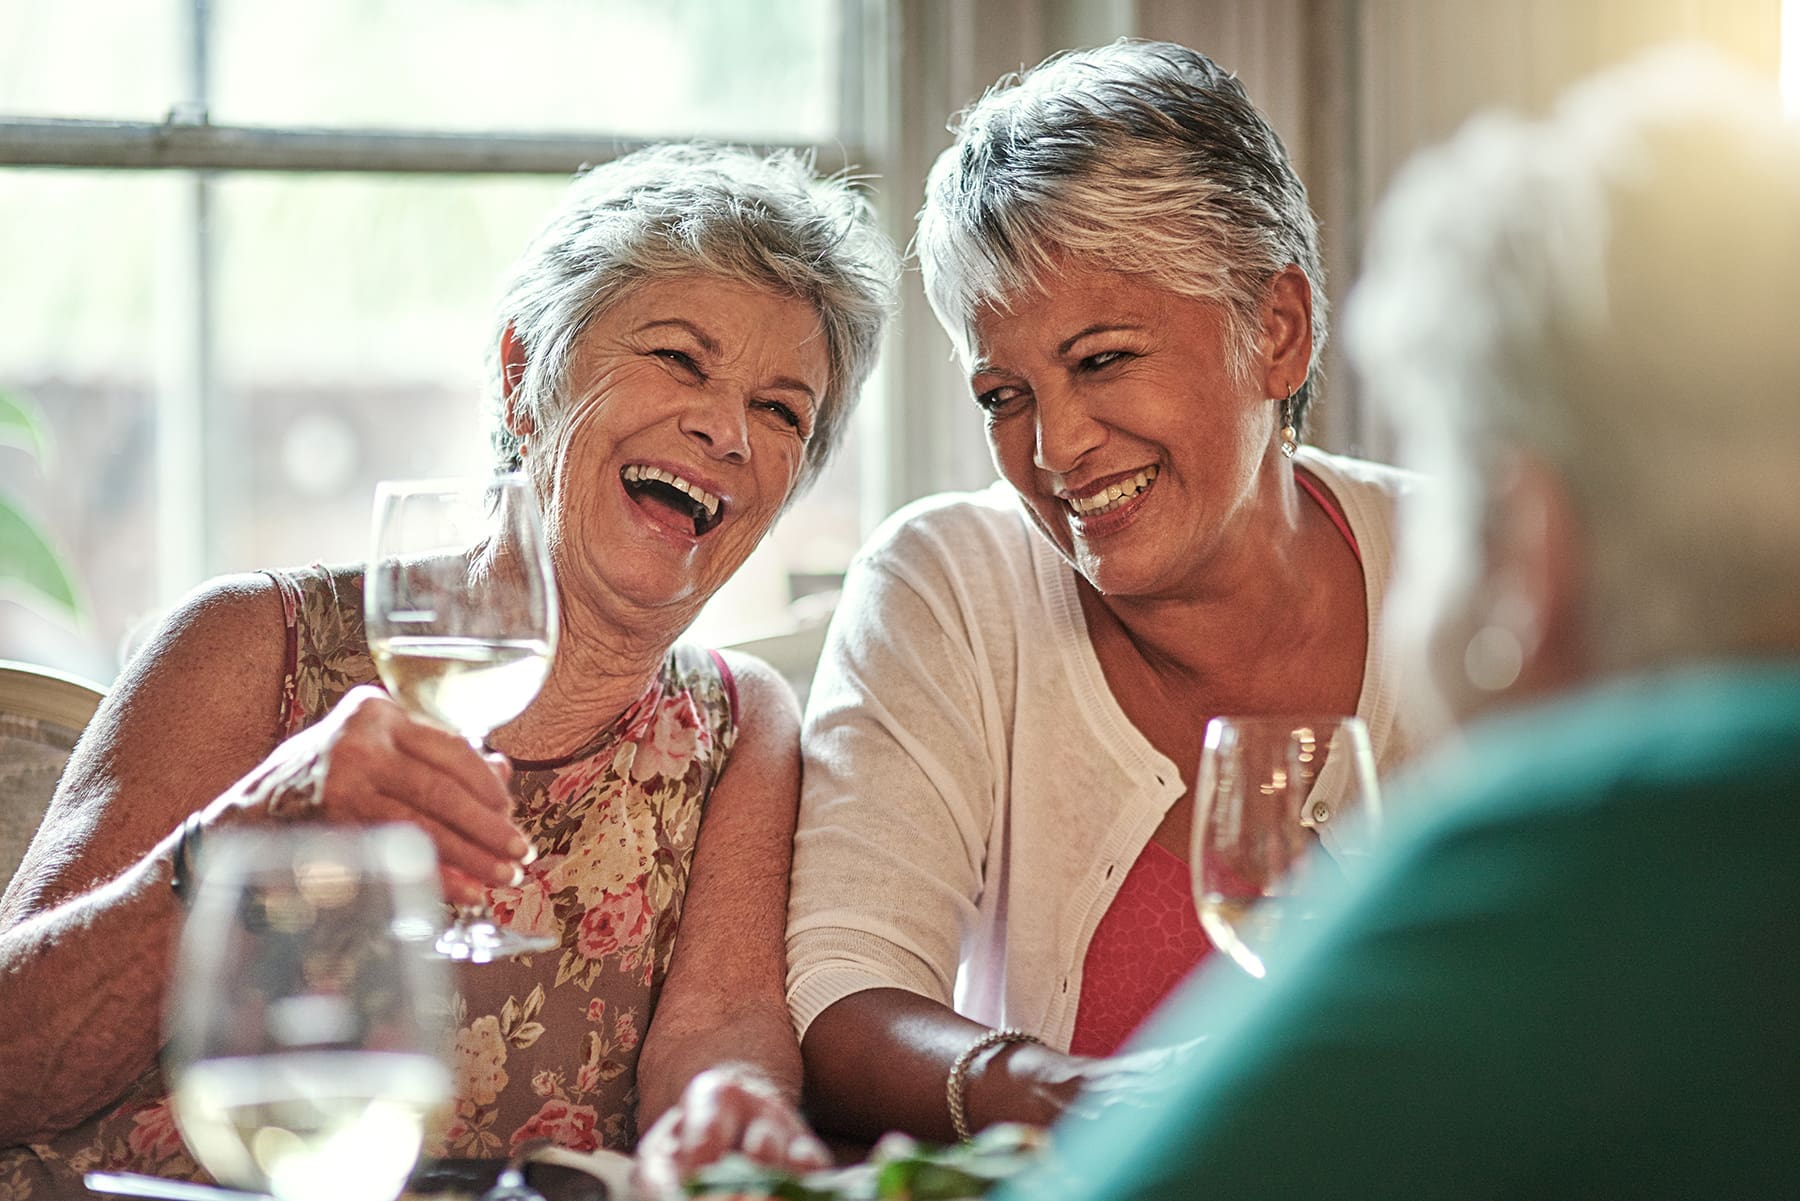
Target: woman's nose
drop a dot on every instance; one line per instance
(1065, 431)
(720, 423)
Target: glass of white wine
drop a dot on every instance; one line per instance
(306, 1038)
(460, 608)
(1272, 790)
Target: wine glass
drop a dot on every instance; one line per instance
(1272, 789)
(307, 1042)
(460, 608)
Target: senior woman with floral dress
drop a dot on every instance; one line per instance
(990, 880)
(676, 356)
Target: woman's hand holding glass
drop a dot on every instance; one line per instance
(1271, 791)
(370, 761)
(460, 609)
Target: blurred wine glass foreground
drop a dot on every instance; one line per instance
(1272, 789)
(460, 608)
(306, 1041)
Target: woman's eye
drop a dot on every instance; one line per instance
(784, 413)
(1104, 359)
(995, 400)
(680, 358)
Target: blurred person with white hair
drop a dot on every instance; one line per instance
(1574, 976)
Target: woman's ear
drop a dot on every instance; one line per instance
(1535, 585)
(1285, 340)
(512, 371)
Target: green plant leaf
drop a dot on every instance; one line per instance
(27, 559)
(21, 425)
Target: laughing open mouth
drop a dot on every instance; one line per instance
(671, 496)
(1108, 499)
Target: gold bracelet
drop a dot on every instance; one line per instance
(958, 1083)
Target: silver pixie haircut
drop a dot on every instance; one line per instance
(697, 208)
(1143, 156)
(1614, 290)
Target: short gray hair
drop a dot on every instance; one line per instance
(1614, 291)
(769, 222)
(1145, 157)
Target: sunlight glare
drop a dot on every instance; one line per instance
(1790, 57)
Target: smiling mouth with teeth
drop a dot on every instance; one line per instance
(668, 491)
(1108, 499)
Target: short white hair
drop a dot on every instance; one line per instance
(1615, 289)
(763, 220)
(1144, 157)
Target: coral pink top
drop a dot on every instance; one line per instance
(1150, 937)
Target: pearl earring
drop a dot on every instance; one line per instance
(1290, 437)
(1493, 659)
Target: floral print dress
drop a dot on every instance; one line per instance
(546, 1045)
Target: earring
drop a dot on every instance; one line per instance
(1493, 659)
(1290, 437)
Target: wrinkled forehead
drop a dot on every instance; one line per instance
(750, 326)
(1081, 296)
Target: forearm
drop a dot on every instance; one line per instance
(82, 989)
(880, 1060)
(757, 1041)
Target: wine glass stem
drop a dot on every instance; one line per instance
(478, 912)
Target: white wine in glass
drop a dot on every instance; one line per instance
(306, 1044)
(1271, 791)
(460, 608)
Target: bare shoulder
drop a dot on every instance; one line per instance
(763, 773)
(195, 710)
(219, 655)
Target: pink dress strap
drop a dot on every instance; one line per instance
(290, 718)
(1328, 502)
(730, 682)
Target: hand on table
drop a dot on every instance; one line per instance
(1132, 1079)
(724, 1110)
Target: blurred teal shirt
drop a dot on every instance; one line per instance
(1577, 978)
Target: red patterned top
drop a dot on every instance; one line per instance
(1149, 939)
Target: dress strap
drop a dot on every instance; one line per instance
(730, 681)
(289, 719)
(1328, 502)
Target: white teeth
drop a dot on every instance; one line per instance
(1108, 498)
(635, 472)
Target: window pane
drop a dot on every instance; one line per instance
(81, 307)
(734, 69)
(352, 329)
(123, 60)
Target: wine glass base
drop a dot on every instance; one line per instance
(483, 942)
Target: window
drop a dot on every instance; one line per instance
(226, 361)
